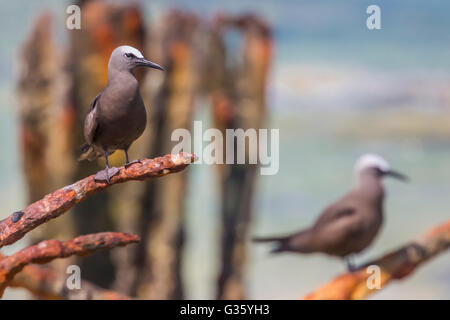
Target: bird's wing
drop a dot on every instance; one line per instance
(91, 123)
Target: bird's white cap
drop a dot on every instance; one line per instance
(129, 49)
(370, 160)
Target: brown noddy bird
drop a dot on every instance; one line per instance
(350, 224)
(117, 115)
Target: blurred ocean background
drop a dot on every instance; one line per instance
(337, 90)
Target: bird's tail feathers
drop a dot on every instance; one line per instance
(280, 245)
(299, 242)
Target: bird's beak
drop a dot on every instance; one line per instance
(146, 63)
(396, 175)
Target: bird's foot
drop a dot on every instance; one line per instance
(131, 163)
(106, 175)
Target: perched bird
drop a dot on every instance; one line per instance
(350, 224)
(117, 115)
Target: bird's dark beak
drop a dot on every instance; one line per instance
(146, 63)
(397, 175)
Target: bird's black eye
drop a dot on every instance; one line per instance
(130, 55)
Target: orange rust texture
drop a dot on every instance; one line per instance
(394, 265)
(49, 250)
(35, 75)
(60, 201)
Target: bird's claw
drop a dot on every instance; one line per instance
(106, 175)
(131, 163)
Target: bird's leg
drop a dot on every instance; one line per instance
(127, 161)
(106, 174)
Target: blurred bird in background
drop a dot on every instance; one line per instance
(117, 115)
(350, 224)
